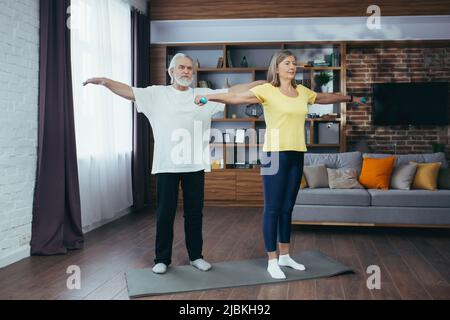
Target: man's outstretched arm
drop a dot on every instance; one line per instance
(245, 86)
(119, 88)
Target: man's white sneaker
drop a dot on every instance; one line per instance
(160, 268)
(201, 264)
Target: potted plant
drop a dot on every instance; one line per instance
(322, 79)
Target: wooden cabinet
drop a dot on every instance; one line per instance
(238, 187)
(220, 186)
(233, 187)
(249, 187)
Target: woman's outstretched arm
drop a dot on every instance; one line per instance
(228, 98)
(329, 98)
(246, 86)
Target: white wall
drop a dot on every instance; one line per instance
(19, 72)
(139, 4)
(299, 29)
(19, 65)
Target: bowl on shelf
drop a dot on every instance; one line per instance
(329, 116)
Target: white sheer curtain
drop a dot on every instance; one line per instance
(101, 47)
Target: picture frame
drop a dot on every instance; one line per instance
(229, 62)
(226, 138)
(240, 136)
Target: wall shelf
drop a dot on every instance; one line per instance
(237, 120)
(243, 185)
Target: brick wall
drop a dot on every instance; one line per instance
(367, 65)
(19, 64)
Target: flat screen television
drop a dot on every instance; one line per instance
(419, 103)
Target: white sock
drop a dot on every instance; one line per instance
(287, 261)
(274, 270)
(160, 268)
(201, 264)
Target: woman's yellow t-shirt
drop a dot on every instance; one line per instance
(285, 117)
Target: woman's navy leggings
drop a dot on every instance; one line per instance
(280, 192)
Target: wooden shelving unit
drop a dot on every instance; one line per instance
(231, 186)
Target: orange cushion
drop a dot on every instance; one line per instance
(303, 183)
(376, 173)
(426, 175)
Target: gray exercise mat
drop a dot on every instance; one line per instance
(143, 282)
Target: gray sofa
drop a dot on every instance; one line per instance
(371, 207)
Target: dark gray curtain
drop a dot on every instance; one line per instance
(56, 225)
(142, 133)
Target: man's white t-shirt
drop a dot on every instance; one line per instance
(180, 127)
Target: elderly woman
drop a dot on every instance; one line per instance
(285, 108)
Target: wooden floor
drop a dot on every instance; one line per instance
(415, 263)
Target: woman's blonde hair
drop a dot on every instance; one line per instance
(272, 75)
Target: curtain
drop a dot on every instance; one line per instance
(56, 224)
(142, 133)
(101, 47)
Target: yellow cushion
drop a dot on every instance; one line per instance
(426, 175)
(303, 184)
(376, 172)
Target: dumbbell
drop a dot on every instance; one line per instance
(363, 100)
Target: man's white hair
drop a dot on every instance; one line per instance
(173, 64)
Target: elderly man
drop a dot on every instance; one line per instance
(174, 116)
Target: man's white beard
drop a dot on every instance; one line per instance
(182, 82)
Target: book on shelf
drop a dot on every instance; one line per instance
(330, 60)
(307, 135)
(242, 165)
(319, 62)
(220, 63)
(334, 60)
(240, 136)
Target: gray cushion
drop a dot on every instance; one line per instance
(402, 176)
(316, 176)
(335, 160)
(444, 178)
(410, 198)
(406, 158)
(333, 197)
(344, 178)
